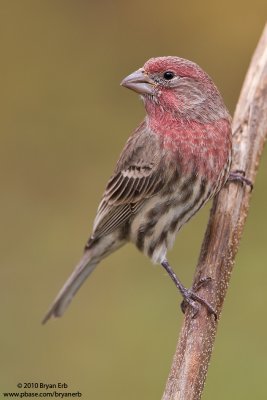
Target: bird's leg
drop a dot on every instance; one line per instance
(188, 295)
(239, 176)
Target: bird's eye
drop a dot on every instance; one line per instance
(168, 75)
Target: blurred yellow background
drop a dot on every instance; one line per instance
(64, 120)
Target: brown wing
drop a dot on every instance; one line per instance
(138, 176)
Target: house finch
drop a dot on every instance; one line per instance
(172, 164)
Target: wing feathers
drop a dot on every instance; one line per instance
(138, 176)
(112, 220)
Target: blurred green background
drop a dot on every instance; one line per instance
(64, 120)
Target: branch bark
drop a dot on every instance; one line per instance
(219, 248)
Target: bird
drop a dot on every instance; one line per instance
(177, 159)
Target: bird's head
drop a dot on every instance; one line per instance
(179, 87)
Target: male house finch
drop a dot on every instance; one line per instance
(172, 164)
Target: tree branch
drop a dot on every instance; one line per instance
(228, 214)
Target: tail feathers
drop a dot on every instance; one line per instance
(79, 275)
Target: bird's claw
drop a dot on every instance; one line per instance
(188, 301)
(191, 298)
(239, 176)
(202, 282)
(191, 301)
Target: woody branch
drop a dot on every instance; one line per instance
(229, 211)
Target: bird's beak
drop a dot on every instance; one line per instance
(140, 82)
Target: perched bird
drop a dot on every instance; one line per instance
(174, 162)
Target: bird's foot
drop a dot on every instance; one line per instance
(239, 176)
(189, 296)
